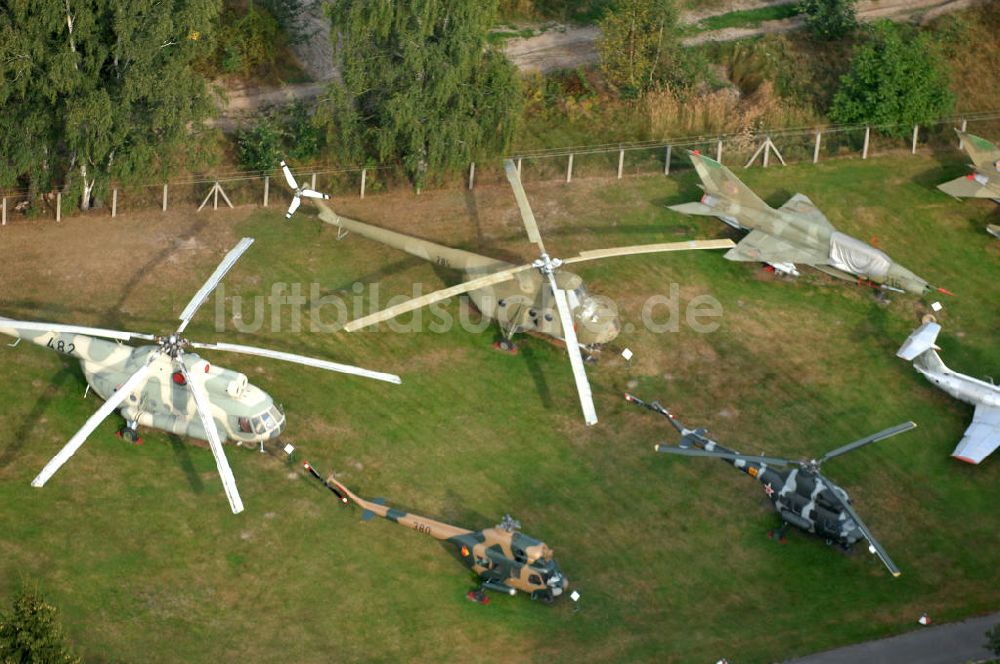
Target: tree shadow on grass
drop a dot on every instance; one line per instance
(27, 426)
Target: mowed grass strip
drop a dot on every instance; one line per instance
(137, 546)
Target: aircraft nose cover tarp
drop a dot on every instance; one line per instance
(852, 255)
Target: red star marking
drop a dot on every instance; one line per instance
(768, 489)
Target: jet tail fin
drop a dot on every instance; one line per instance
(919, 342)
(721, 182)
(982, 152)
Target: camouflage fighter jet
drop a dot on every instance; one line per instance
(162, 386)
(983, 435)
(797, 232)
(803, 496)
(984, 180)
(537, 297)
(505, 559)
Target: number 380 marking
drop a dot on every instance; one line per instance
(61, 346)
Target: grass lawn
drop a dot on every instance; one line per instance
(137, 546)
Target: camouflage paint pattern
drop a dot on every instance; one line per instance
(242, 411)
(502, 557)
(984, 180)
(797, 232)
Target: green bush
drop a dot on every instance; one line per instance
(897, 77)
(259, 147)
(31, 634)
(829, 19)
(249, 42)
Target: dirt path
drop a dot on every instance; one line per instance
(867, 11)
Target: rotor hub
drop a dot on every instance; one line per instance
(547, 264)
(173, 345)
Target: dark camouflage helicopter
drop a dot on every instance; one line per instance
(505, 559)
(803, 496)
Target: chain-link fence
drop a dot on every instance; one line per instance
(744, 150)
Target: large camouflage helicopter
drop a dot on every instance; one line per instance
(164, 387)
(536, 297)
(802, 496)
(797, 232)
(505, 559)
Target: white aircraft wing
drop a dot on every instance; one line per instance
(982, 436)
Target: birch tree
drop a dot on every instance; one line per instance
(98, 89)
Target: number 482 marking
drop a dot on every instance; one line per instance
(61, 346)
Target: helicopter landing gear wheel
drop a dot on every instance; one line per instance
(506, 345)
(129, 433)
(545, 596)
(478, 596)
(778, 534)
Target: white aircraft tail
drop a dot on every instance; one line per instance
(921, 347)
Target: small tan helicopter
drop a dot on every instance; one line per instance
(505, 559)
(163, 387)
(537, 297)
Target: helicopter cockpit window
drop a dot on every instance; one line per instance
(258, 425)
(268, 420)
(519, 556)
(244, 424)
(535, 580)
(587, 304)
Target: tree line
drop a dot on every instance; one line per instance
(94, 91)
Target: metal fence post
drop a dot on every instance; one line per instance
(313, 186)
(164, 197)
(114, 202)
(961, 143)
(666, 162)
(267, 187)
(519, 168)
(864, 151)
(569, 169)
(819, 136)
(472, 175)
(916, 132)
(58, 206)
(718, 152)
(621, 162)
(3, 215)
(767, 150)
(364, 177)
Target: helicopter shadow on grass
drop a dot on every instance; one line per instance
(66, 372)
(183, 455)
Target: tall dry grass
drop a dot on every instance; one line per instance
(724, 111)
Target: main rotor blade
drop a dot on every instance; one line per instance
(213, 281)
(302, 359)
(292, 184)
(203, 406)
(698, 452)
(74, 329)
(879, 551)
(527, 216)
(575, 359)
(93, 422)
(293, 206)
(650, 249)
(867, 440)
(436, 296)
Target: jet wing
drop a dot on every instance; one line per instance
(759, 247)
(801, 205)
(965, 187)
(982, 436)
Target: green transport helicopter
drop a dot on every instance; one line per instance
(538, 297)
(802, 496)
(505, 559)
(161, 385)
